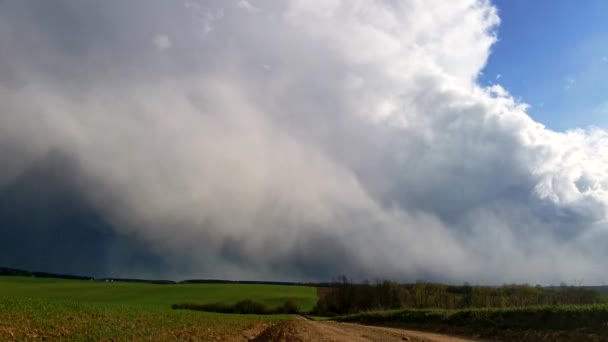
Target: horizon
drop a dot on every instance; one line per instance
(15, 272)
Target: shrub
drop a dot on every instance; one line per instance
(244, 307)
(250, 307)
(289, 307)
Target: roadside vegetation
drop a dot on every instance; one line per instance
(579, 318)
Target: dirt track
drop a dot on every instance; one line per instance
(302, 330)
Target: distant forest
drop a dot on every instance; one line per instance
(346, 297)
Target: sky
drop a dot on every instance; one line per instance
(553, 55)
(299, 140)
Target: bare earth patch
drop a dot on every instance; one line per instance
(302, 330)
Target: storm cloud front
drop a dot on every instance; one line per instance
(284, 140)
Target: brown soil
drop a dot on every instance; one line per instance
(508, 335)
(302, 330)
(248, 334)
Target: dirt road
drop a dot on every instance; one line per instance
(302, 330)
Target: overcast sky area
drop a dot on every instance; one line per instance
(287, 140)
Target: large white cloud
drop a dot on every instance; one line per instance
(301, 139)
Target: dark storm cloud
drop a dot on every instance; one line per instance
(287, 140)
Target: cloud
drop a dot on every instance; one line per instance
(246, 5)
(162, 42)
(368, 148)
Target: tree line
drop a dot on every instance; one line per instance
(346, 297)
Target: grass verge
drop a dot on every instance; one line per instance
(583, 318)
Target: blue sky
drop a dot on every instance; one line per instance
(553, 55)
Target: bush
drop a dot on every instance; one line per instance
(244, 307)
(250, 307)
(289, 307)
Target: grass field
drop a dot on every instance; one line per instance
(150, 295)
(33, 308)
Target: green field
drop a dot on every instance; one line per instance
(150, 295)
(34, 308)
